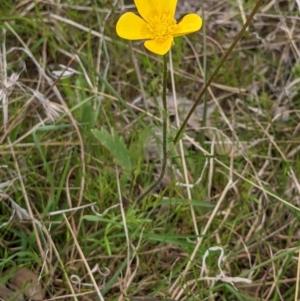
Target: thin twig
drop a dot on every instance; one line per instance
(221, 63)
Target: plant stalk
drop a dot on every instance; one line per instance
(164, 133)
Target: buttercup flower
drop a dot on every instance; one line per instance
(156, 25)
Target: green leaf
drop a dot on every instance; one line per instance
(116, 145)
(95, 218)
(177, 201)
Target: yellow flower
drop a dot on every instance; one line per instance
(157, 25)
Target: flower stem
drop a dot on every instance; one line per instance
(213, 75)
(164, 134)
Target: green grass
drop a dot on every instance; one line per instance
(81, 173)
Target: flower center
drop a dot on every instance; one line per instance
(162, 27)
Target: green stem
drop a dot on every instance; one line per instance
(211, 78)
(164, 134)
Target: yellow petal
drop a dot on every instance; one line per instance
(169, 7)
(151, 8)
(132, 27)
(189, 23)
(148, 8)
(159, 47)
